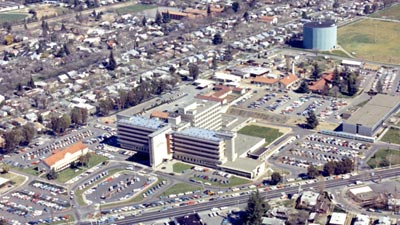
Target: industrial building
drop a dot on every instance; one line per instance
(369, 119)
(145, 135)
(321, 36)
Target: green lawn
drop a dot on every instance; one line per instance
(270, 134)
(10, 17)
(234, 181)
(384, 157)
(392, 136)
(79, 193)
(389, 13)
(180, 167)
(69, 173)
(180, 188)
(372, 40)
(134, 8)
(29, 170)
(15, 179)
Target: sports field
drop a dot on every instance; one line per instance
(389, 13)
(372, 40)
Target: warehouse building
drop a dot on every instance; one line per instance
(145, 135)
(370, 118)
(320, 36)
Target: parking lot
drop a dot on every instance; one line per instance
(294, 104)
(36, 201)
(317, 149)
(118, 187)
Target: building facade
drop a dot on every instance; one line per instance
(203, 114)
(63, 159)
(202, 147)
(144, 135)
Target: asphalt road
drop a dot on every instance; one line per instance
(151, 216)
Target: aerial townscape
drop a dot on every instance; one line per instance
(200, 112)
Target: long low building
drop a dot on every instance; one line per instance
(62, 159)
(369, 119)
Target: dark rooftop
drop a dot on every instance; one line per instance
(191, 219)
(321, 24)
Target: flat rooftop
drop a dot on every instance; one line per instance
(191, 219)
(200, 133)
(374, 110)
(245, 142)
(242, 164)
(143, 122)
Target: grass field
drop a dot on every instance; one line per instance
(339, 53)
(69, 173)
(392, 136)
(270, 134)
(389, 13)
(134, 8)
(234, 181)
(180, 167)
(9, 17)
(384, 157)
(372, 40)
(180, 188)
(15, 179)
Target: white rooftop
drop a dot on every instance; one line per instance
(200, 133)
(3, 180)
(338, 218)
(361, 190)
(144, 122)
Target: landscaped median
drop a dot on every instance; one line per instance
(180, 188)
(232, 181)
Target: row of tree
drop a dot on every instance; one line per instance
(18, 136)
(77, 116)
(134, 96)
(332, 168)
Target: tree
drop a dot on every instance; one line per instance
(228, 54)
(6, 168)
(105, 106)
(31, 83)
(7, 26)
(367, 9)
(352, 88)
(304, 15)
(246, 16)
(312, 172)
(12, 138)
(336, 4)
(217, 39)
(256, 208)
(329, 168)
(84, 159)
(158, 19)
(193, 71)
(316, 72)
(208, 10)
(60, 124)
(303, 88)
(76, 116)
(52, 175)
(276, 178)
(214, 63)
(311, 120)
(28, 133)
(336, 77)
(63, 28)
(166, 17)
(172, 70)
(379, 86)
(112, 64)
(40, 118)
(235, 6)
(144, 21)
(252, 3)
